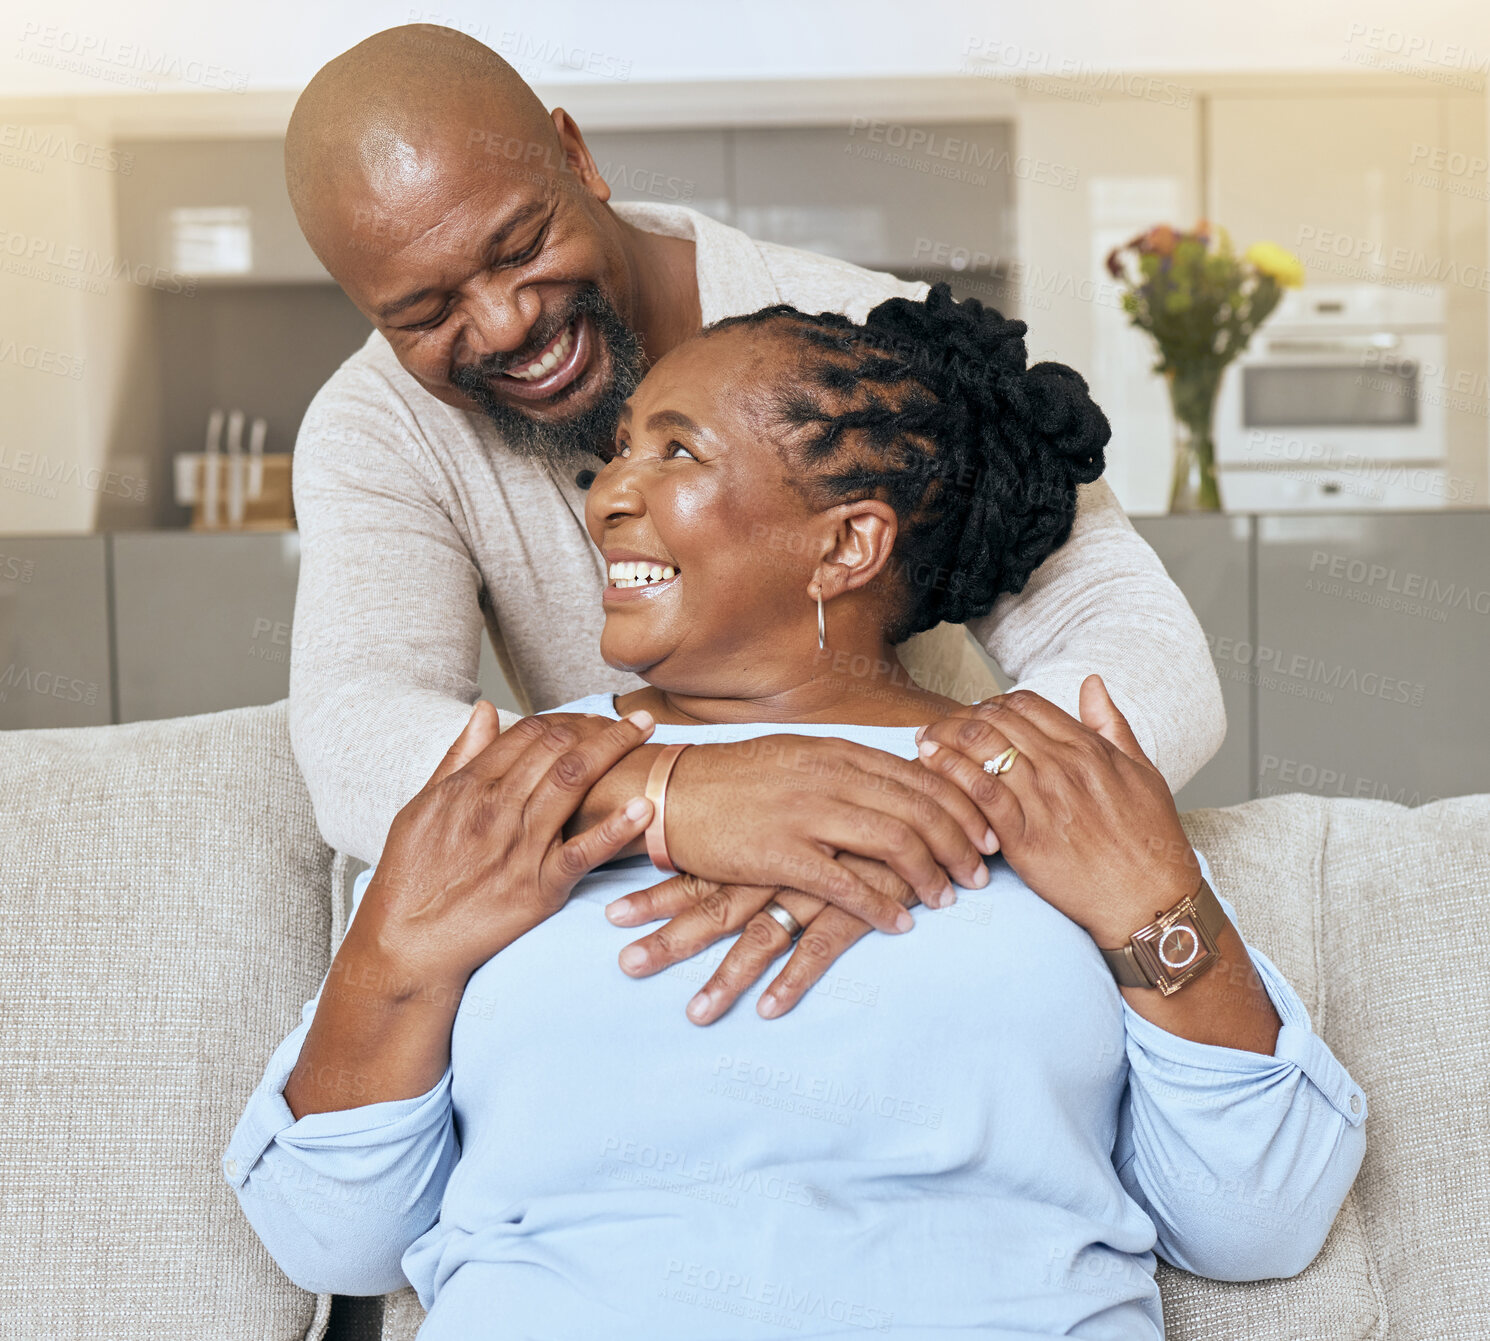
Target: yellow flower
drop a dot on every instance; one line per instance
(1278, 263)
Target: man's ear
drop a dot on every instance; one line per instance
(577, 155)
(863, 538)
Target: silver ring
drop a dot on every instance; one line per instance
(788, 923)
(1002, 762)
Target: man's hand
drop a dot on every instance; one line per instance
(704, 912)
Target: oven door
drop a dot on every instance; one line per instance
(1333, 399)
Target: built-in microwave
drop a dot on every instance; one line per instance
(1333, 388)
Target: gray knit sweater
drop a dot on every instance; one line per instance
(419, 529)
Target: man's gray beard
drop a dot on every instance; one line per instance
(590, 433)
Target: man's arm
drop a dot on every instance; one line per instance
(387, 634)
(1103, 604)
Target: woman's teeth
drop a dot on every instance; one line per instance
(635, 574)
(555, 355)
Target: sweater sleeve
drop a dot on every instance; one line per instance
(1241, 1160)
(337, 1198)
(388, 626)
(1103, 603)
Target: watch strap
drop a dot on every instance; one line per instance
(1209, 913)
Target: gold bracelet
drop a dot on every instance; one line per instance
(662, 768)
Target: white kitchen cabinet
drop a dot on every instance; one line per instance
(1135, 165)
(1383, 188)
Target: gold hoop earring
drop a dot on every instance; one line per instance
(822, 635)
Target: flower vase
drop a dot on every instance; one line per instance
(1192, 397)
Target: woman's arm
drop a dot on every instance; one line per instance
(1087, 822)
(1240, 1133)
(1241, 1159)
(342, 1155)
(338, 1197)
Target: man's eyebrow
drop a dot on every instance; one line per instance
(498, 236)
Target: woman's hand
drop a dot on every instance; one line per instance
(704, 912)
(779, 810)
(1083, 817)
(478, 857)
(472, 862)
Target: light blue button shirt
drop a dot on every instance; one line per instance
(964, 1130)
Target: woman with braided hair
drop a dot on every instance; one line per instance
(987, 1127)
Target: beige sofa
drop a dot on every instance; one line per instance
(169, 905)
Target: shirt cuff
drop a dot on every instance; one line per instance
(1183, 1062)
(1174, 1057)
(268, 1117)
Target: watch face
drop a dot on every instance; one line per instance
(1175, 948)
(1178, 946)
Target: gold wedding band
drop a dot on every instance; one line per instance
(1001, 763)
(789, 924)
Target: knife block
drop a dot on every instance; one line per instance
(271, 509)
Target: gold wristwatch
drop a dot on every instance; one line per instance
(1175, 948)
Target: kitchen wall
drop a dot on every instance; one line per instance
(1015, 189)
(68, 382)
(1314, 165)
(279, 44)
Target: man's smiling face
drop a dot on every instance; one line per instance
(492, 265)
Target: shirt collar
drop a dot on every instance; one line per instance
(732, 276)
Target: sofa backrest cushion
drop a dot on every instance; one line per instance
(1268, 857)
(1406, 944)
(166, 912)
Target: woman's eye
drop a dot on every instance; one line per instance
(673, 448)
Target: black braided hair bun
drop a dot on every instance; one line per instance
(1020, 438)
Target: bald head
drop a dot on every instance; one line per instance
(473, 229)
(394, 110)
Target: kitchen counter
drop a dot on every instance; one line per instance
(1350, 645)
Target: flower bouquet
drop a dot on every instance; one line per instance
(1201, 304)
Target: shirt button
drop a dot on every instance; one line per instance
(1355, 1103)
(230, 1167)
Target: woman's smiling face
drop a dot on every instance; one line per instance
(698, 486)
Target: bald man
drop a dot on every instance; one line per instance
(440, 473)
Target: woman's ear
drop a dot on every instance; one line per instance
(862, 539)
